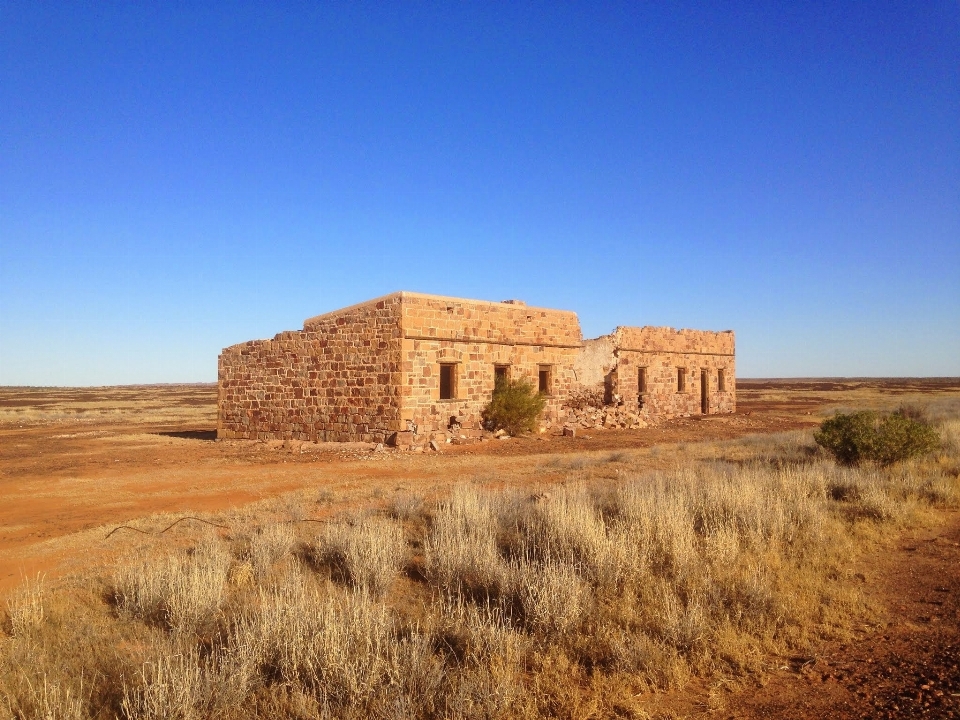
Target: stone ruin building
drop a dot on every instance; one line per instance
(408, 368)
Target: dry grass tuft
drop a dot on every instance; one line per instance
(552, 596)
(369, 554)
(47, 700)
(461, 549)
(268, 545)
(183, 590)
(343, 649)
(25, 606)
(406, 505)
(169, 688)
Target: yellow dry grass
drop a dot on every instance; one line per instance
(566, 600)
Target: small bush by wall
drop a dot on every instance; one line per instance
(516, 407)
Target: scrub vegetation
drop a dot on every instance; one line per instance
(883, 439)
(516, 407)
(569, 600)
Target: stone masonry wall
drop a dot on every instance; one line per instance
(608, 371)
(477, 336)
(371, 372)
(338, 379)
(662, 351)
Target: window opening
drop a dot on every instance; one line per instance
(544, 379)
(681, 379)
(721, 381)
(448, 381)
(501, 373)
(641, 385)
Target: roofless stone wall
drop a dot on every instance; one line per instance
(684, 372)
(407, 366)
(338, 379)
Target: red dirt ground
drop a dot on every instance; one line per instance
(73, 459)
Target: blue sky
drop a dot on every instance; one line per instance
(176, 179)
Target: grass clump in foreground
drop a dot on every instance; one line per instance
(570, 602)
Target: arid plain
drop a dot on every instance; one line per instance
(76, 464)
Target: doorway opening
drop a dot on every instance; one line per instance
(544, 378)
(704, 393)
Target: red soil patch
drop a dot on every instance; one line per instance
(908, 669)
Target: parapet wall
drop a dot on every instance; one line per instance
(668, 340)
(339, 379)
(431, 317)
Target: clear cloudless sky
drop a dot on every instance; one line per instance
(179, 177)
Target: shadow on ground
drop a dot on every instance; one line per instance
(191, 434)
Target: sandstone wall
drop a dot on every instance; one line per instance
(477, 336)
(607, 369)
(338, 379)
(371, 372)
(662, 351)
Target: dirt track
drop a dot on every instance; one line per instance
(910, 668)
(905, 665)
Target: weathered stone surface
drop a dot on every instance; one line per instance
(338, 379)
(371, 372)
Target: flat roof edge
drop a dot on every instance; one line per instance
(426, 296)
(496, 303)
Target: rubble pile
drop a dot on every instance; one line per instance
(607, 416)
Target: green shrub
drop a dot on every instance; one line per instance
(902, 436)
(868, 436)
(515, 407)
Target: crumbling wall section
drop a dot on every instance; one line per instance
(595, 362)
(338, 379)
(614, 363)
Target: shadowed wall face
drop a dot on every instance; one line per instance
(338, 379)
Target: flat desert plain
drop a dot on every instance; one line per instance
(78, 463)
